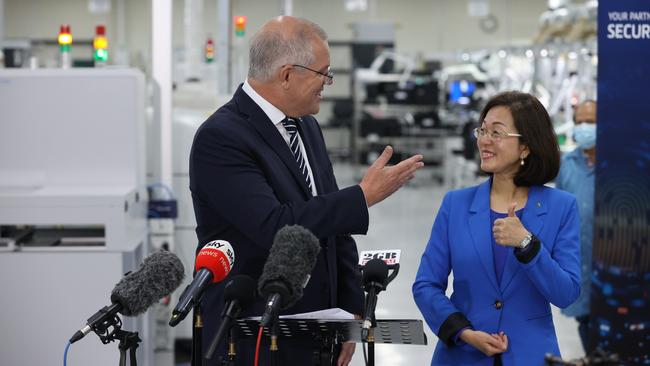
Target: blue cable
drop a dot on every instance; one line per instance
(65, 354)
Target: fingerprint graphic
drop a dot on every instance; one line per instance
(622, 220)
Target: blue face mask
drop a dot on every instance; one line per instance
(585, 135)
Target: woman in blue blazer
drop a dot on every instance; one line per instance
(512, 244)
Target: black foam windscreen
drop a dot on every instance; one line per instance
(376, 270)
(158, 276)
(240, 288)
(291, 260)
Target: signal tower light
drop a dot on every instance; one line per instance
(209, 50)
(100, 44)
(240, 26)
(65, 44)
(65, 38)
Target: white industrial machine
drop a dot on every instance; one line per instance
(72, 209)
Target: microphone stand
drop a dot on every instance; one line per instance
(373, 289)
(110, 329)
(369, 334)
(128, 342)
(232, 351)
(371, 344)
(274, 341)
(197, 336)
(228, 317)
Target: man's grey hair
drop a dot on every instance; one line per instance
(271, 49)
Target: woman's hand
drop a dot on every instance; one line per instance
(509, 231)
(489, 344)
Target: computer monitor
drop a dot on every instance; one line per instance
(461, 91)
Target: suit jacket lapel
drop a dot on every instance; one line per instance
(260, 121)
(533, 222)
(479, 226)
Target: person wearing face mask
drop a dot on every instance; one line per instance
(577, 176)
(512, 243)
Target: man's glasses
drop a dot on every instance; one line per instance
(494, 135)
(329, 77)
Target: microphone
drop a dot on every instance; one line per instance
(238, 293)
(158, 276)
(287, 270)
(375, 273)
(213, 263)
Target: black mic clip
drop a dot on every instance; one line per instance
(108, 326)
(105, 323)
(394, 268)
(376, 286)
(392, 275)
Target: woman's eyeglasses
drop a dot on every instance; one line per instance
(494, 135)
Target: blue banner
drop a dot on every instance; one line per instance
(620, 305)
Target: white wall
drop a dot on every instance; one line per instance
(41, 19)
(423, 26)
(429, 25)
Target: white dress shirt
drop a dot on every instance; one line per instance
(276, 116)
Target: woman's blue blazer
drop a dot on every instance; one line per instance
(520, 305)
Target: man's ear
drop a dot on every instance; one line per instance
(284, 75)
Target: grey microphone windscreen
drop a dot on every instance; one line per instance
(291, 261)
(158, 276)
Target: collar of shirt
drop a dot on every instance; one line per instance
(275, 115)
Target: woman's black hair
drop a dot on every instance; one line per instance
(534, 125)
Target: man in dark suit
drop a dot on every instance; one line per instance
(259, 163)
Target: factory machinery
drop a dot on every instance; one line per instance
(73, 208)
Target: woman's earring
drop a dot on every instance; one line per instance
(522, 162)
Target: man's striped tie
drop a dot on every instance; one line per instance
(294, 143)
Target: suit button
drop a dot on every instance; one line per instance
(498, 304)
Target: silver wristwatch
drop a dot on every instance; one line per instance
(527, 239)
